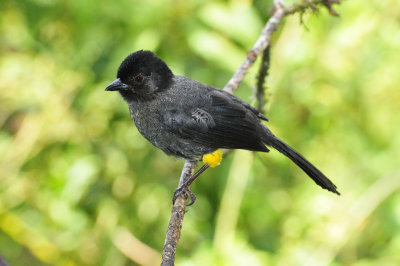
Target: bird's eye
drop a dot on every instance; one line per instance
(139, 78)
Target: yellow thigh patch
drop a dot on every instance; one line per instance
(213, 159)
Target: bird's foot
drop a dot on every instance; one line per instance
(184, 189)
(212, 159)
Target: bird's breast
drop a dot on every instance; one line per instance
(145, 119)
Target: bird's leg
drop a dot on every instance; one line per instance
(211, 159)
(184, 188)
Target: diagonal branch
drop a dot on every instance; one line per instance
(257, 49)
(279, 11)
(178, 210)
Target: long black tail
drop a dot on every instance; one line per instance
(302, 162)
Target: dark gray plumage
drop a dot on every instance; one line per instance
(188, 119)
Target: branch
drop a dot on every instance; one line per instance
(260, 45)
(178, 210)
(175, 223)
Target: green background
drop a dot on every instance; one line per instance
(80, 186)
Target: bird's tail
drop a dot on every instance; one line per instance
(302, 162)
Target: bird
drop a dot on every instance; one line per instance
(193, 121)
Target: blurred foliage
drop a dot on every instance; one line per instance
(80, 186)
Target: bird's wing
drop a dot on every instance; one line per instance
(186, 122)
(220, 122)
(241, 102)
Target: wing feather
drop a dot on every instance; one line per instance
(222, 123)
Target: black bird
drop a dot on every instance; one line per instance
(189, 119)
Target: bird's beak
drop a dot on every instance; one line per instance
(117, 85)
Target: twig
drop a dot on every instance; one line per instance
(262, 74)
(178, 210)
(304, 5)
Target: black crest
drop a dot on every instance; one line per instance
(146, 63)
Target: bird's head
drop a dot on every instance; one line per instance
(140, 76)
